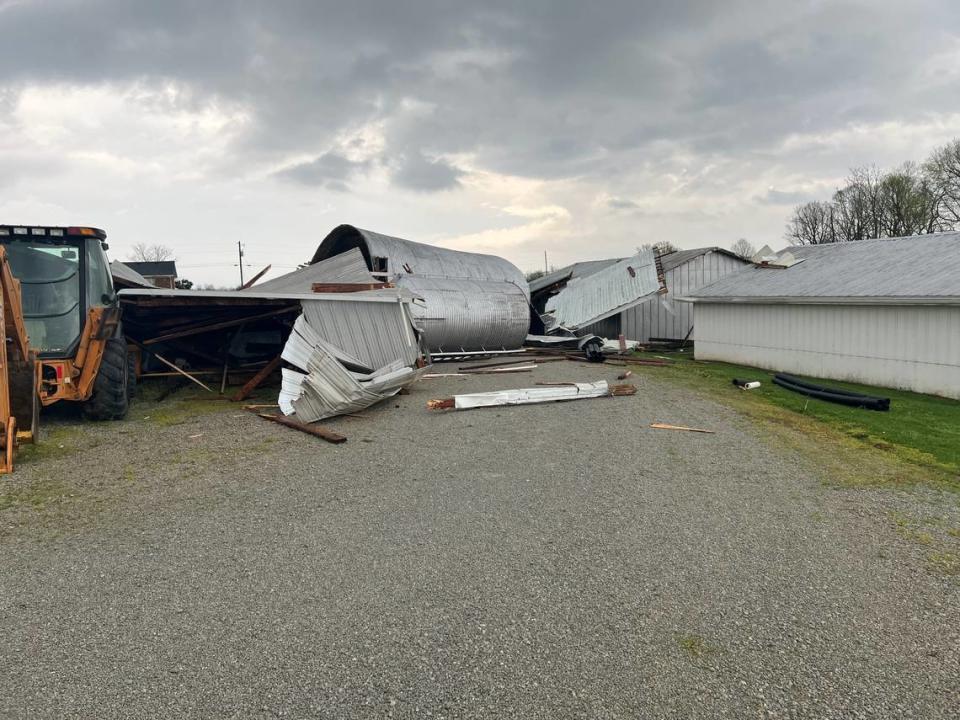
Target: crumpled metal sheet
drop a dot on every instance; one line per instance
(604, 293)
(328, 389)
(529, 396)
(350, 354)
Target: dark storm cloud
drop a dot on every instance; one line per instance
(417, 172)
(542, 89)
(330, 170)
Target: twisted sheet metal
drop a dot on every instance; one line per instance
(375, 333)
(607, 292)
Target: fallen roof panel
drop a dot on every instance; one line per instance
(607, 292)
(348, 267)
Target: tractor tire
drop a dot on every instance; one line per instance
(110, 399)
(24, 398)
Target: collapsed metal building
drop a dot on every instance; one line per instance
(467, 302)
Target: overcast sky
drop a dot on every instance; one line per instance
(581, 128)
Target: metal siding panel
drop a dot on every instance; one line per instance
(913, 348)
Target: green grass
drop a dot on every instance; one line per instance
(920, 430)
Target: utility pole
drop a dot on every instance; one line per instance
(544, 262)
(240, 255)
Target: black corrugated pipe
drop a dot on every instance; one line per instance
(834, 395)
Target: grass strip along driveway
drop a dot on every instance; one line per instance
(919, 431)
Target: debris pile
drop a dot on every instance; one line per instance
(341, 370)
(369, 315)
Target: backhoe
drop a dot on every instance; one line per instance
(62, 323)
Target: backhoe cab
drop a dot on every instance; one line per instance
(67, 308)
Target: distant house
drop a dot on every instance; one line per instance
(880, 312)
(659, 317)
(163, 274)
(125, 277)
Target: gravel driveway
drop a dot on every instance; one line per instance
(537, 562)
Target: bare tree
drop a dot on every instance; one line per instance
(744, 248)
(664, 247)
(943, 173)
(858, 206)
(150, 253)
(910, 203)
(812, 224)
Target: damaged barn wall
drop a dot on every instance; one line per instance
(663, 316)
(907, 347)
(471, 301)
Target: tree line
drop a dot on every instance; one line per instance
(913, 199)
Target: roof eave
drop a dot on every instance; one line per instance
(800, 300)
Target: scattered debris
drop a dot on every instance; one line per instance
(527, 396)
(834, 395)
(337, 361)
(174, 367)
(255, 381)
(624, 375)
(321, 432)
(508, 363)
(746, 384)
(665, 426)
(253, 281)
(634, 361)
(493, 371)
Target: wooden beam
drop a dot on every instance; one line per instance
(321, 432)
(255, 381)
(256, 277)
(348, 287)
(199, 329)
(665, 426)
(172, 366)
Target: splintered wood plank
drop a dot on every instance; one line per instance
(254, 382)
(316, 430)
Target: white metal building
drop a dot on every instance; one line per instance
(881, 312)
(660, 316)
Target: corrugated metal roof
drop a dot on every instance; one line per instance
(377, 334)
(472, 301)
(163, 267)
(910, 268)
(223, 297)
(124, 274)
(413, 258)
(606, 292)
(679, 257)
(577, 270)
(348, 267)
